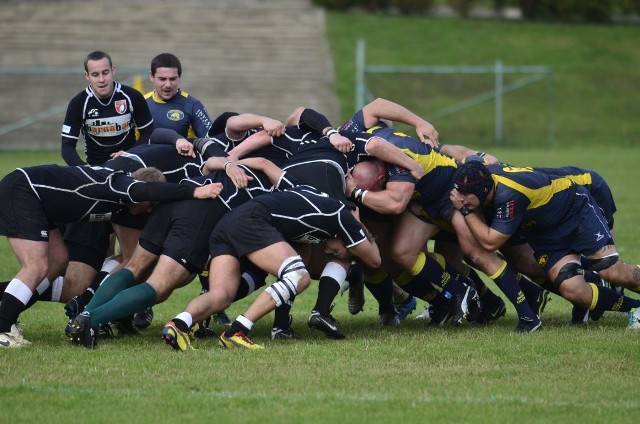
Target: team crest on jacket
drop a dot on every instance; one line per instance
(175, 115)
(121, 106)
(542, 260)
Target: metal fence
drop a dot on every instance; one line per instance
(531, 75)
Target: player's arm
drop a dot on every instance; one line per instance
(271, 170)
(167, 192)
(489, 238)
(392, 200)
(141, 116)
(201, 122)
(239, 124)
(389, 153)
(236, 174)
(317, 122)
(367, 253)
(251, 144)
(384, 109)
(171, 137)
(70, 134)
(69, 153)
(294, 118)
(461, 153)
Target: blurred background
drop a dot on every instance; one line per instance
(512, 73)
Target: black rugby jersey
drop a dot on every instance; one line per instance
(315, 147)
(305, 215)
(175, 167)
(230, 195)
(83, 193)
(107, 125)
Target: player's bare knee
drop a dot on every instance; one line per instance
(403, 257)
(219, 296)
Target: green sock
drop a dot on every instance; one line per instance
(114, 284)
(125, 303)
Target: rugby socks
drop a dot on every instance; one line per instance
(380, 285)
(431, 272)
(241, 323)
(328, 289)
(532, 292)
(3, 287)
(281, 314)
(354, 275)
(249, 282)
(606, 299)
(16, 297)
(419, 280)
(484, 292)
(183, 321)
(124, 303)
(507, 280)
(401, 297)
(48, 291)
(114, 284)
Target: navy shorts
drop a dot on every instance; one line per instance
(584, 231)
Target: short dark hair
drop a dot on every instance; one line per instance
(166, 60)
(97, 55)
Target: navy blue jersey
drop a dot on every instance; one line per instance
(175, 167)
(305, 215)
(355, 124)
(439, 169)
(76, 193)
(528, 199)
(183, 113)
(593, 182)
(436, 183)
(108, 126)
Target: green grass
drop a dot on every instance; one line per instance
(411, 374)
(594, 75)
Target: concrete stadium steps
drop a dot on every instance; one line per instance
(259, 56)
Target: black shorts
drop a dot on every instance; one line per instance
(88, 242)
(124, 218)
(21, 213)
(247, 229)
(181, 230)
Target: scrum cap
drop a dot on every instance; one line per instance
(473, 177)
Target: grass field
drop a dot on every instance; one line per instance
(593, 74)
(410, 374)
